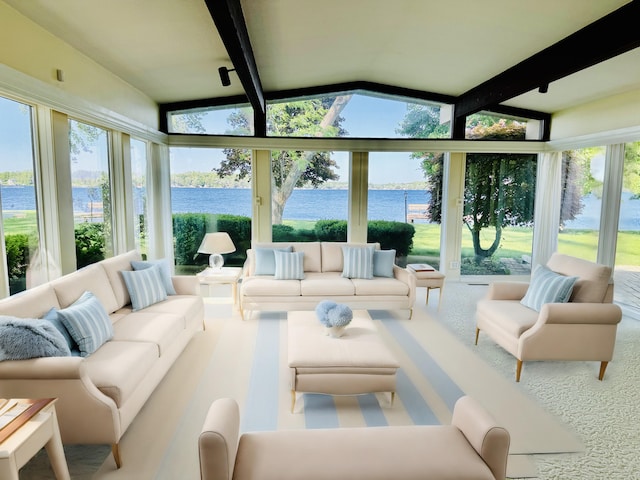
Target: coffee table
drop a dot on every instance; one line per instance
(358, 362)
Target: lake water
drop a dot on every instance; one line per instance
(313, 204)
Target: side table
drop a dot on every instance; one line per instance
(429, 277)
(226, 275)
(27, 433)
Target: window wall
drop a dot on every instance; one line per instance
(210, 192)
(139, 188)
(18, 196)
(91, 192)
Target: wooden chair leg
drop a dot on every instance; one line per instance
(603, 367)
(115, 449)
(477, 334)
(518, 369)
(426, 302)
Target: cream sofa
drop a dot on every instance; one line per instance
(584, 328)
(323, 266)
(100, 395)
(472, 447)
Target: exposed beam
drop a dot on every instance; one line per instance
(601, 40)
(229, 20)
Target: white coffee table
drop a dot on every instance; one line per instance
(358, 362)
(224, 276)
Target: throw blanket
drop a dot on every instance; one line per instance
(30, 338)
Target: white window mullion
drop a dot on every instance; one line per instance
(121, 201)
(610, 212)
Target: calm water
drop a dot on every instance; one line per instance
(311, 204)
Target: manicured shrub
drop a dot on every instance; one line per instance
(331, 230)
(389, 234)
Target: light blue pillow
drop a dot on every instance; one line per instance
(165, 271)
(56, 321)
(87, 323)
(145, 287)
(383, 262)
(358, 261)
(289, 265)
(266, 260)
(547, 286)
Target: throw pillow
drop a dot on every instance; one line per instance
(145, 287)
(265, 260)
(22, 338)
(289, 265)
(165, 271)
(87, 323)
(383, 262)
(357, 262)
(53, 317)
(547, 287)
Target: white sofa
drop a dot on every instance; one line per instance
(473, 447)
(323, 280)
(100, 395)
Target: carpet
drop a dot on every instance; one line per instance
(247, 361)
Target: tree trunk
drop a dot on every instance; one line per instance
(281, 195)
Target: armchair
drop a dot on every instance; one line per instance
(584, 328)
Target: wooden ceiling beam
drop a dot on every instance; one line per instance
(229, 20)
(612, 35)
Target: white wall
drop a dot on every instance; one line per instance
(29, 49)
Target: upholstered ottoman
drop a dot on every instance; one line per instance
(356, 363)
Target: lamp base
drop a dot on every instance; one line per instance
(216, 261)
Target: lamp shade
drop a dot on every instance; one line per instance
(217, 242)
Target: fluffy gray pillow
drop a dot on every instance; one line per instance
(22, 338)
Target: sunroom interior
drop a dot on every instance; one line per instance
(142, 92)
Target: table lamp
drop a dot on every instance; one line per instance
(215, 244)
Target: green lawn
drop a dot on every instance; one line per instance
(16, 222)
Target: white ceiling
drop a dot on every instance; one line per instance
(170, 49)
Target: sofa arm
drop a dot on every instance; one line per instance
(507, 290)
(580, 313)
(47, 368)
(186, 284)
(218, 441)
(483, 433)
(405, 276)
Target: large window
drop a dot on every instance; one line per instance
(583, 173)
(18, 197)
(91, 192)
(139, 187)
(404, 196)
(210, 192)
(228, 120)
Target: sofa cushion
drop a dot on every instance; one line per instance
(92, 278)
(380, 286)
(117, 368)
(165, 272)
(383, 262)
(87, 323)
(265, 260)
(311, 251)
(357, 262)
(145, 287)
(112, 267)
(188, 308)
(32, 303)
(593, 278)
(332, 257)
(547, 287)
(266, 286)
(154, 327)
(289, 265)
(328, 283)
(508, 315)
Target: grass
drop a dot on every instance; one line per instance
(23, 221)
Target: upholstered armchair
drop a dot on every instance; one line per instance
(576, 320)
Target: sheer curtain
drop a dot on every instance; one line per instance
(547, 213)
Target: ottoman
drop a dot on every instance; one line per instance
(356, 363)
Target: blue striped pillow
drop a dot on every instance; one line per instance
(87, 323)
(547, 287)
(145, 287)
(165, 271)
(289, 265)
(357, 262)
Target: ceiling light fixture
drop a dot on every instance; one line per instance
(544, 88)
(224, 75)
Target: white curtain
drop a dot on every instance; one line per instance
(547, 210)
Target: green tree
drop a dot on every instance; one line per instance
(290, 168)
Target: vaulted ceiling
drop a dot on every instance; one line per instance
(477, 53)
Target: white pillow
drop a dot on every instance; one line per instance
(357, 261)
(547, 287)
